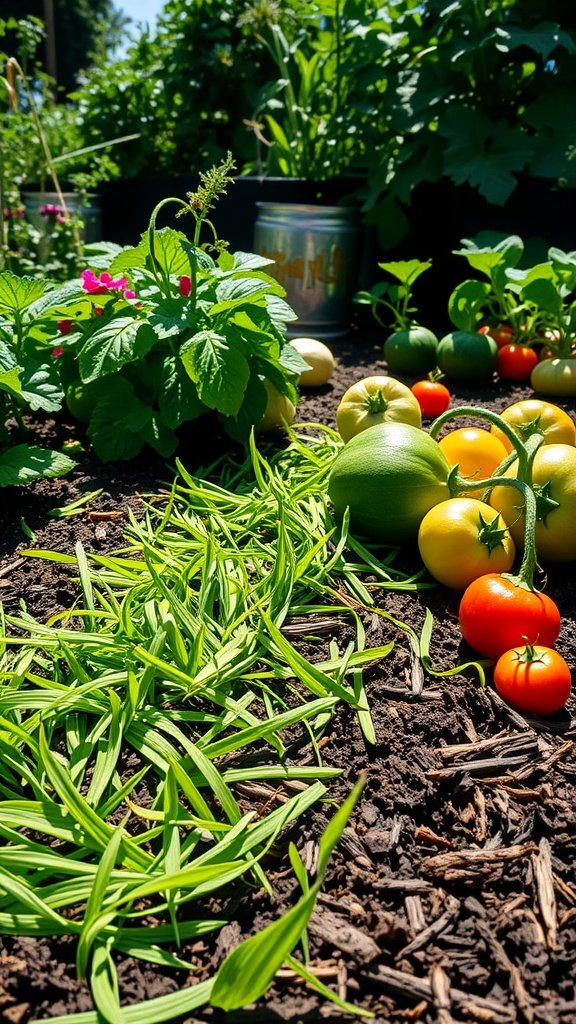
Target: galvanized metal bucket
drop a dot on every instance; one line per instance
(316, 253)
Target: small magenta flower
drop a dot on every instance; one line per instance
(58, 351)
(65, 326)
(129, 294)
(185, 285)
(95, 285)
(51, 210)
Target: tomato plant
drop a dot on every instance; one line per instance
(476, 451)
(461, 539)
(535, 679)
(515, 362)
(554, 484)
(498, 613)
(432, 396)
(533, 416)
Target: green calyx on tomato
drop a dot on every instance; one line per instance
(533, 678)
(491, 534)
(374, 400)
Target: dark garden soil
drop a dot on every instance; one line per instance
(452, 895)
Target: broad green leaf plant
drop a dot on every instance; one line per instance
(166, 332)
(29, 382)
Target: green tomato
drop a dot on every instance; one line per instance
(467, 356)
(555, 377)
(411, 351)
(374, 400)
(279, 409)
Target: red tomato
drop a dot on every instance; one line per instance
(433, 397)
(496, 614)
(533, 679)
(503, 335)
(515, 362)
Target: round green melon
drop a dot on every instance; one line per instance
(411, 351)
(467, 356)
(389, 476)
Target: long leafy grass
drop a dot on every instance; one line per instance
(135, 727)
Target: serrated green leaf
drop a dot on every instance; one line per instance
(118, 423)
(41, 386)
(178, 398)
(171, 317)
(17, 293)
(27, 462)
(10, 382)
(111, 346)
(483, 153)
(219, 370)
(543, 38)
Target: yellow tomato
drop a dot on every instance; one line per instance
(477, 452)
(462, 539)
(375, 400)
(531, 416)
(279, 409)
(554, 480)
(319, 358)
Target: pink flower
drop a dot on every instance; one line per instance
(129, 294)
(95, 285)
(185, 285)
(50, 210)
(65, 326)
(58, 351)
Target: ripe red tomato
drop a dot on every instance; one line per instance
(496, 614)
(515, 362)
(502, 335)
(533, 679)
(433, 397)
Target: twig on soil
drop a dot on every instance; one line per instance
(410, 987)
(426, 835)
(415, 915)
(473, 767)
(461, 864)
(337, 932)
(543, 879)
(543, 766)
(434, 929)
(481, 829)
(519, 992)
(440, 985)
(403, 885)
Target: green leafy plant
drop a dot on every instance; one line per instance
(319, 118)
(29, 382)
(538, 302)
(177, 335)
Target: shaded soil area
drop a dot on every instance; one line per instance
(451, 896)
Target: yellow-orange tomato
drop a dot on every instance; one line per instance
(461, 539)
(533, 415)
(477, 452)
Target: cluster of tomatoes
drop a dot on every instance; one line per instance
(470, 545)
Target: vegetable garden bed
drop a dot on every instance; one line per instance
(450, 896)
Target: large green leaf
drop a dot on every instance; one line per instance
(543, 38)
(27, 462)
(178, 396)
(119, 422)
(168, 251)
(16, 293)
(41, 386)
(111, 346)
(483, 153)
(218, 368)
(10, 381)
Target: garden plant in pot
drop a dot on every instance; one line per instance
(310, 130)
(48, 176)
